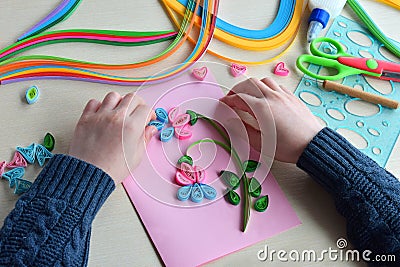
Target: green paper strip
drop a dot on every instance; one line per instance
(74, 40)
(62, 18)
(231, 150)
(181, 32)
(373, 28)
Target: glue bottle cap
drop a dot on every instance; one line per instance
(319, 15)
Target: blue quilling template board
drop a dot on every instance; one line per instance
(380, 129)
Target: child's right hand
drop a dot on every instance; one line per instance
(295, 124)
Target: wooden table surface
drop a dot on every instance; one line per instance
(118, 237)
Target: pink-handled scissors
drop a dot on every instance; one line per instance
(346, 64)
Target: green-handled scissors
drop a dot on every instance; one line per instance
(346, 64)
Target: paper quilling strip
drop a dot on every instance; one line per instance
(50, 67)
(62, 12)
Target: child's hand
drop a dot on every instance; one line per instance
(112, 134)
(295, 125)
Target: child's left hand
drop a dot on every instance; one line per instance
(112, 134)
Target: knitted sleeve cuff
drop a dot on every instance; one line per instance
(74, 181)
(329, 157)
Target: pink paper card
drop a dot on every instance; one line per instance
(188, 233)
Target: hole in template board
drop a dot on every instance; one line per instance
(329, 49)
(342, 24)
(382, 86)
(326, 71)
(365, 54)
(359, 38)
(358, 87)
(336, 114)
(306, 65)
(360, 124)
(354, 138)
(385, 123)
(374, 132)
(376, 150)
(387, 54)
(310, 98)
(345, 49)
(339, 81)
(338, 34)
(321, 121)
(307, 83)
(362, 108)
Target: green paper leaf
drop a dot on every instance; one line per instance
(261, 204)
(230, 179)
(193, 117)
(187, 159)
(233, 197)
(49, 142)
(251, 165)
(254, 187)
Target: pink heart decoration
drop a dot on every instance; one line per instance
(17, 161)
(188, 171)
(280, 69)
(181, 121)
(200, 174)
(173, 114)
(237, 70)
(200, 73)
(181, 179)
(183, 133)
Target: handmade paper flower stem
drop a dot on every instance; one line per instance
(245, 179)
(231, 150)
(216, 127)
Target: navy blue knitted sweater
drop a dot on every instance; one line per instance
(50, 225)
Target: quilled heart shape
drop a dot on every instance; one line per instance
(200, 73)
(237, 70)
(280, 69)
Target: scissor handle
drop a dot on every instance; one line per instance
(340, 52)
(342, 70)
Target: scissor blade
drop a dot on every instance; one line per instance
(389, 75)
